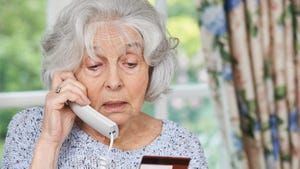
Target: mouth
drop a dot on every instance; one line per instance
(114, 106)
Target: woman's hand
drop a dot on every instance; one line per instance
(58, 118)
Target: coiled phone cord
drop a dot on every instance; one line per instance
(104, 160)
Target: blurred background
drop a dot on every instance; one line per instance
(22, 23)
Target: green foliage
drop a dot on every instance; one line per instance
(252, 28)
(21, 26)
(267, 68)
(265, 126)
(5, 117)
(186, 29)
(1, 149)
(181, 7)
(286, 157)
(152, 2)
(197, 119)
(226, 56)
(148, 108)
(280, 92)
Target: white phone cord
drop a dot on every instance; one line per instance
(103, 160)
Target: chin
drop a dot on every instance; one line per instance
(119, 119)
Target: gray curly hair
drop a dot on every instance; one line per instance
(63, 46)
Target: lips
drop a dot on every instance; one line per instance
(114, 106)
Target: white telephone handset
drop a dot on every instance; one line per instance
(96, 120)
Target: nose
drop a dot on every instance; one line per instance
(113, 80)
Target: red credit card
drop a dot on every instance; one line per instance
(164, 162)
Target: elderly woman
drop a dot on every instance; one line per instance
(112, 55)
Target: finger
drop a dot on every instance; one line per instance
(73, 84)
(62, 79)
(57, 101)
(74, 97)
(74, 87)
(59, 77)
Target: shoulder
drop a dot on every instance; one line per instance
(29, 113)
(175, 131)
(180, 136)
(27, 119)
(23, 130)
(184, 143)
(28, 116)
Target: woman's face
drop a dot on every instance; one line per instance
(117, 81)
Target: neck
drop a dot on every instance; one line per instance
(136, 133)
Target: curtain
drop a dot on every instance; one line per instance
(252, 57)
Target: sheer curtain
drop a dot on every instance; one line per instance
(253, 58)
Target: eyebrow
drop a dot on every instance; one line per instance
(130, 45)
(127, 45)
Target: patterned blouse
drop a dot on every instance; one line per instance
(80, 150)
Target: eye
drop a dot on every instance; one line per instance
(130, 65)
(94, 67)
(130, 62)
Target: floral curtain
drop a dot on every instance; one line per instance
(252, 56)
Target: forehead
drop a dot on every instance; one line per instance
(107, 32)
